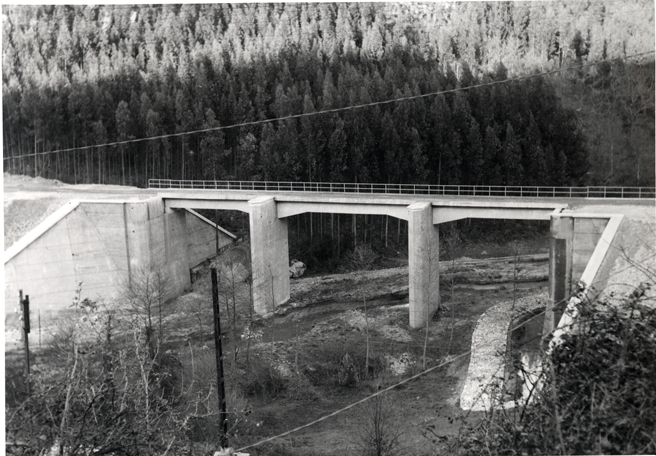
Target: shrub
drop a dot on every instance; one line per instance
(347, 372)
(100, 388)
(262, 378)
(378, 433)
(598, 394)
(361, 258)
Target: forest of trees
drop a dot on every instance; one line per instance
(78, 76)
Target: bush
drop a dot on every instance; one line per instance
(99, 388)
(361, 258)
(347, 372)
(598, 394)
(378, 433)
(263, 378)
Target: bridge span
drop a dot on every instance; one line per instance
(574, 237)
(101, 242)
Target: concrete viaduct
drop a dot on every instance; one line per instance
(99, 242)
(574, 237)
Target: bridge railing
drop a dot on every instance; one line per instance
(409, 189)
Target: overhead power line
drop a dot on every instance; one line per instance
(330, 111)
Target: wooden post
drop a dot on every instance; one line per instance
(25, 309)
(223, 416)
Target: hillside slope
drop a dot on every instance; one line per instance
(75, 76)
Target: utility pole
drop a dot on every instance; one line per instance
(25, 310)
(223, 415)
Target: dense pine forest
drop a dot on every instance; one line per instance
(81, 76)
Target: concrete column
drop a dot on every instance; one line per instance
(269, 255)
(560, 269)
(423, 260)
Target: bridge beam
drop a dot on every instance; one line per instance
(443, 214)
(288, 209)
(269, 255)
(423, 262)
(218, 203)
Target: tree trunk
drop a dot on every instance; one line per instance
(386, 228)
(338, 237)
(332, 227)
(35, 174)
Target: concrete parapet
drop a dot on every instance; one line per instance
(269, 255)
(423, 263)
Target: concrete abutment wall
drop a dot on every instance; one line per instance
(103, 245)
(574, 238)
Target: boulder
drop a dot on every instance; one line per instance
(296, 268)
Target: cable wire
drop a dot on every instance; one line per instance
(334, 110)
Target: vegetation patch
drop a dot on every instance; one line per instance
(595, 395)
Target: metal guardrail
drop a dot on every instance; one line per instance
(409, 189)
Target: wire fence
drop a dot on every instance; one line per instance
(409, 189)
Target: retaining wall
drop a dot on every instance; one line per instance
(102, 245)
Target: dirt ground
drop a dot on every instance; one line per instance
(330, 319)
(314, 336)
(331, 316)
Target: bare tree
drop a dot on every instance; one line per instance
(146, 294)
(378, 433)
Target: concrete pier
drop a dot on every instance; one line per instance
(560, 267)
(269, 255)
(423, 263)
(574, 238)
